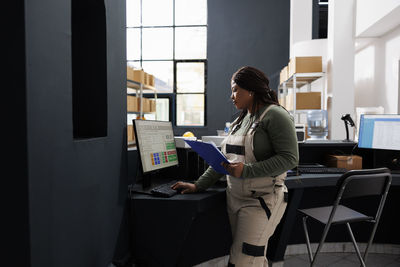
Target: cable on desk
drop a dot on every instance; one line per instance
(354, 147)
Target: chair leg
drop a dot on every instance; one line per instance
(370, 240)
(324, 234)
(310, 256)
(355, 245)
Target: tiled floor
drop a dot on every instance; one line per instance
(343, 260)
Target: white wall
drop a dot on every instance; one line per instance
(309, 48)
(300, 22)
(375, 17)
(376, 73)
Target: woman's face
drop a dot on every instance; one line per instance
(242, 99)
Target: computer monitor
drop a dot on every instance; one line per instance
(379, 132)
(365, 110)
(156, 146)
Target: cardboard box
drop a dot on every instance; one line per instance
(305, 65)
(131, 134)
(146, 104)
(152, 105)
(151, 80)
(132, 103)
(349, 162)
(308, 100)
(129, 73)
(304, 100)
(284, 74)
(146, 78)
(138, 76)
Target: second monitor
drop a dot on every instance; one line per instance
(379, 132)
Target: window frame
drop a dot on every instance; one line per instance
(191, 93)
(173, 95)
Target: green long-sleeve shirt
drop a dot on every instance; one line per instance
(275, 147)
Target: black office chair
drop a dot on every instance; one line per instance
(351, 184)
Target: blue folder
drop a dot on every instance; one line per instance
(210, 153)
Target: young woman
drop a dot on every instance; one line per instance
(261, 146)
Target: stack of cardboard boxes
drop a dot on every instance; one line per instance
(140, 76)
(133, 104)
(304, 100)
(148, 80)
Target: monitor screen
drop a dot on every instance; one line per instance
(156, 145)
(379, 132)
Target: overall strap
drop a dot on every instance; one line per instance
(257, 121)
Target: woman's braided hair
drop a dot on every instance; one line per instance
(256, 82)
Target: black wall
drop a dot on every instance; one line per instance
(240, 33)
(14, 194)
(77, 187)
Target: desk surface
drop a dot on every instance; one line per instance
(292, 182)
(198, 202)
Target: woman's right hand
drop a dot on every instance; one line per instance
(184, 188)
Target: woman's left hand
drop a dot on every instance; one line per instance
(234, 169)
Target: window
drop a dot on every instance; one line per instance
(320, 19)
(168, 38)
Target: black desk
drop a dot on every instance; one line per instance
(183, 230)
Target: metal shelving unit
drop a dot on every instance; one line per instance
(298, 80)
(137, 89)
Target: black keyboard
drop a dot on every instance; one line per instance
(291, 173)
(164, 190)
(320, 170)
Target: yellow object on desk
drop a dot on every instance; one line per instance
(188, 134)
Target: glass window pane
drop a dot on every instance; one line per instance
(157, 43)
(190, 110)
(130, 117)
(190, 12)
(162, 110)
(133, 44)
(191, 43)
(190, 77)
(163, 72)
(157, 13)
(132, 13)
(134, 64)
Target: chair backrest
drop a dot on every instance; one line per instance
(366, 182)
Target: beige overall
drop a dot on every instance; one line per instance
(255, 205)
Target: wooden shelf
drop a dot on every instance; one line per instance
(136, 85)
(138, 112)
